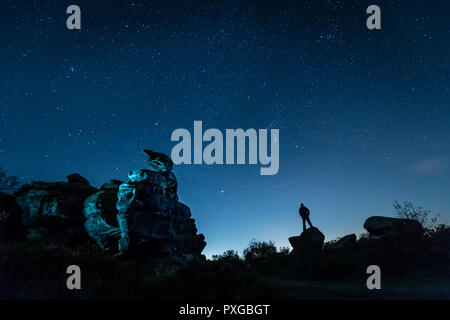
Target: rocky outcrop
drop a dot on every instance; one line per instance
(10, 218)
(149, 218)
(75, 178)
(345, 243)
(159, 162)
(382, 226)
(53, 211)
(308, 244)
(141, 216)
(146, 205)
(101, 216)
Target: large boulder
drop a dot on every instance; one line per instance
(309, 243)
(10, 218)
(101, 216)
(53, 211)
(381, 226)
(345, 243)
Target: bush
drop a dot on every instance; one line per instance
(260, 250)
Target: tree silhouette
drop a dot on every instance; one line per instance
(7, 183)
(409, 211)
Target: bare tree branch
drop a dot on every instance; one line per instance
(408, 211)
(8, 183)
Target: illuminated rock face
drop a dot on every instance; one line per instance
(53, 211)
(140, 217)
(101, 216)
(150, 219)
(145, 205)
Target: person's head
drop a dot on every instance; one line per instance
(301, 205)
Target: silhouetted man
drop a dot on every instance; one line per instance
(304, 213)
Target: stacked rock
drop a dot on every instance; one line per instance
(101, 216)
(308, 244)
(149, 218)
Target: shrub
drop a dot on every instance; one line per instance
(260, 250)
(229, 255)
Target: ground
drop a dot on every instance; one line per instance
(38, 271)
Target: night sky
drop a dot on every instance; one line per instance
(364, 115)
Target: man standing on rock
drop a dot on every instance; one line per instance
(304, 213)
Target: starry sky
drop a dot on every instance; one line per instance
(364, 115)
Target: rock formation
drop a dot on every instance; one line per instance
(308, 244)
(382, 226)
(345, 243)
(53, 211)
(101, 216)
(150, 219)
(10, 216)
(140, 217)
(159, 162)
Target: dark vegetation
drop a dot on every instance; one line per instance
(37, 271)
(407, 210)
